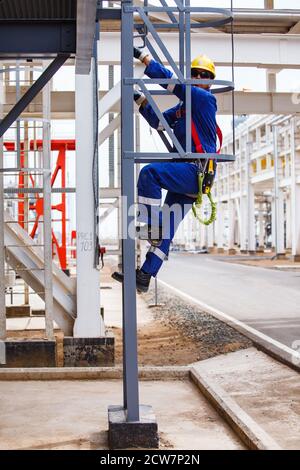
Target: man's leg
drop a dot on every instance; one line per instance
(176, 206)
(177, 177)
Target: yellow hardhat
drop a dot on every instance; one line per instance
(205, 63)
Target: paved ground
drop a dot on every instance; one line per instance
(265, 299)
(266, 390)
(73, 415)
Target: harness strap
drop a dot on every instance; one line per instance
(199, 149)
(195, 136)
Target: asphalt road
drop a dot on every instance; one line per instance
(265, 299)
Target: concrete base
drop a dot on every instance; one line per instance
(29, 353)
(17, 311)
(89, 352)
(123, 434)
(296, 258)
(260, 249)
(281, 256)
(244, 252)
(220, 250)
(231, 251)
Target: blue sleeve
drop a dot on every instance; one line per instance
(149, 114)
(156, 70)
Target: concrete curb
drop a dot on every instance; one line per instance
(277, 350)
(92, 373)
(253, 436)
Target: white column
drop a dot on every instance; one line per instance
(279, 200)
(280, 223)
(47, 232)
(261, 227)
(88, 323)
(273, 223)
(288, 223)
(231, 223)
(295, 194)
(220, 227)
(2, 255)
(243, 223)
(210, 236)
(251, 218)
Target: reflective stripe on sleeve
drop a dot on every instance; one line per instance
(149, 200)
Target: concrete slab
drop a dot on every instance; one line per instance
(265, 389)
(73, 415)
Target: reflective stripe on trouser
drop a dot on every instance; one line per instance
(146, 207)
(156, 255)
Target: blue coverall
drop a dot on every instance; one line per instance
(179, 179)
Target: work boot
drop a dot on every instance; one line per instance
(142, 279)
(151, 233)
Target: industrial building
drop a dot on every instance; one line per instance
(73, 145)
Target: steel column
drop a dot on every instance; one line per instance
(130, 361)
(47, 232)
(2, 254)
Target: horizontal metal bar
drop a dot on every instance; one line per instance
(22, 292)
(22, 246)
(12, 190)
(18, 270)
(225, 85)
(108, 14)
(174, 9)
(36, 171)
(23, 222)
(148, 156)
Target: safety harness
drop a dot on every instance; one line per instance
(206, 173)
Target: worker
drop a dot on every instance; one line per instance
(180, 179)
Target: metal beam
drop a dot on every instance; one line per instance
(36, 38)
(31, 93)
(130, 359)
(263, 51)
(63, 105)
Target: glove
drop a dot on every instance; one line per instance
(139, 97)
(139, 54)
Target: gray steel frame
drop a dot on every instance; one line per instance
(31, 93)
(130, 157)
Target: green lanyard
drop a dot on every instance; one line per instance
(198, 203)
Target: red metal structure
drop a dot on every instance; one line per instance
(60, 145)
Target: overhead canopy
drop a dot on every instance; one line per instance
(32, 28)
(37, 10)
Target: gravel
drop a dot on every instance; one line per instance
(212, 336)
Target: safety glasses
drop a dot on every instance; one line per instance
(204, 74)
